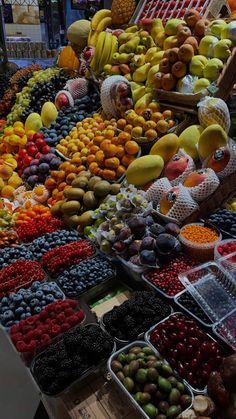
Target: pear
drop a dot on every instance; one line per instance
(131, 45)
(157, 27)
(135, 86)
(150, 52)
(140, 75)
(171, 26)
(141, 49)
(138, 93)
(124, 58)
(160, 38)
(125, 37)
(143, 103)
(132, 29)
(153, 70)
(213, 69)
(206, 46)
(157, 57)
(139, 60)
(197, 65)
(215, 28)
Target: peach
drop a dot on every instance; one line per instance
(219, 159)
(191, 40)
(168, 199)
(191, 17)
(195, 178)
(168, 81)
(164, 66)
(183, 32)
(201, 26)
(179, 69)
(186, 53)
(176, 166)
(173, 55)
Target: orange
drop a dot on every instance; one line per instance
(154, 106)
(112, 163)
(93, 167)
(110, 151)
(109, 174)
(105, 144)
(168, 114)
(50, 183)
(70, 177)
(109, 133)
(120, 171)
(128, 128)
(131, 147)
(120, 151)
(121, 123)
(93, 149)
(123, 137)
(127, 159)
(99, 156)
(62, 186)
(162, 126)
(91, 158)
(157, 116)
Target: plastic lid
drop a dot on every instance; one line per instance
(213, 288)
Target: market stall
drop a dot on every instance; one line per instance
(118, 215)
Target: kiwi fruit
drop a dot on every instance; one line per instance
(70, 207)
(74, 193)
(89, 200)
(102, 188)
(93, 181)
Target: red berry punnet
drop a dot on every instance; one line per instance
(37, 227)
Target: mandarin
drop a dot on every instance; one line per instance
(131, 147)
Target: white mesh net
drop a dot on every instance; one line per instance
(205, 188)
(77, 87)
(213, 111)
(107, 101)
(231, 166)
(183, 206)
(156, 190)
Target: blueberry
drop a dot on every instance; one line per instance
(39, 294)
(37, 310)
(34, 302)
(8, 315)
(50, 298)
(19, 311)
(4, 301)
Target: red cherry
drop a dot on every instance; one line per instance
(46, 149)
(27, 160)
(40, 143)
(30, 144)
(30, 137)
(32, 150)
(38, 135)
(38, 155)
(22, 152)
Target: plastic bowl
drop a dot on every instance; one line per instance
(200, 251)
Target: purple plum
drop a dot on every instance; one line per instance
(55, 163)
(34, 170)
(27, 172)
(34, 162)
(44, 168)
(32, 180)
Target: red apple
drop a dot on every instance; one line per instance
(40, 143)
(32, 150)
(22, 152)
(38, 135)
(38, 155)
(27, 160)
(176, 166)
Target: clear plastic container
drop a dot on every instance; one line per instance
(217, 255)
(135, 271)
(122, 388)
(229, 263)
(200, 251)
(213, 288)
(177, 299)
(226, 330)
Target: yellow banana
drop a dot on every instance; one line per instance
(114, 49)
(105, 22)
(98, 17)
(106, 50)
(98, 50)
(92, 39)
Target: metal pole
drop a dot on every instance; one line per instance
(3, 34)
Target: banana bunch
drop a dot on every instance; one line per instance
(107, 46)
(100, 21)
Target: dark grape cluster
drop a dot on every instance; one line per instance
(44, 92)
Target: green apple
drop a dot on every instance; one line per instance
(200, 85)
(206, 46)
(215, 28)
(229, 32)
(213, 69)
(171, 26)
(197, 65)
(222, 49)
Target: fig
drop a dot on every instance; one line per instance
(185, 401)
(134, 247)
(228, 372)
(217, 390)
(163, 406)
(150, 388)
(148, 243)
(165, 243)
(157, 229)
(137, 226)
(116, 366)
(173, 229)
(148, 257)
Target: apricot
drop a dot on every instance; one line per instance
(183, 32)
(164, 66)
(110, 150)
(120, 171)
(191, 40)
(186, 53)
(127, 159)
(131, 147)
(112, 163)
(108, 174)
(179, 69)
(168, 82)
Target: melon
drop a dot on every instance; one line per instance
(78, 32)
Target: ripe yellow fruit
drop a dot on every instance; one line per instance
(166, 147)
(144, 169)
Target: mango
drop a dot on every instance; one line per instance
(189, 139)
(212, 138)
(166, 147)
(144, 169)
(48, 113)
(33, 122)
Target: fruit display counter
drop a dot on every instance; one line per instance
(117, 217)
